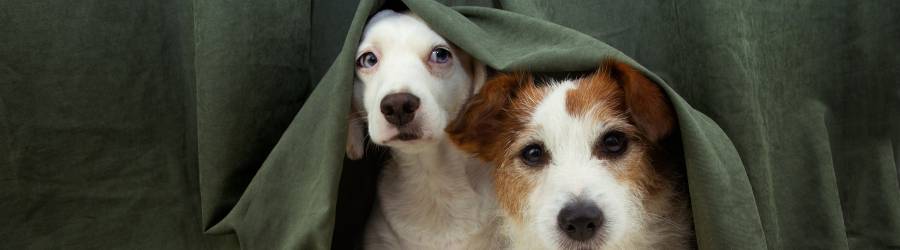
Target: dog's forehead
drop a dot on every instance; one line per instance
(572, 114)
(552, 109)
(390, 29)
(557, 126)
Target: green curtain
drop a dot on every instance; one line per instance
(220, 124)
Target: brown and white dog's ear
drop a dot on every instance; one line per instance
(475, 128)
(356, 131)
(646, 102)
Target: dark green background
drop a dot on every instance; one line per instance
(140, 124)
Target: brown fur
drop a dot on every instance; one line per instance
(487, 127)
(616, 91)
(615, 94)
(647, 104)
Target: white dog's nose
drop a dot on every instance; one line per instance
(400, 108)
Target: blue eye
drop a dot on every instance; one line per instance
(440, 55)
(367, 60)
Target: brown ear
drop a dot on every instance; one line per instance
(646, 102)
(476, 128)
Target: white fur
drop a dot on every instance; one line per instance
(430, 195)
(574, 172)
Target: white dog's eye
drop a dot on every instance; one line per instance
(440, 55)
(367, 60)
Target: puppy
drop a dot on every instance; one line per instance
(577, 162)
(409, 83)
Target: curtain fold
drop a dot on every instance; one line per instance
(220, 124)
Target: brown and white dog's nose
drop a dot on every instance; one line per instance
(580, 220)
(400, 108)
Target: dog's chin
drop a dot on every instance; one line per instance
(571, 244)
(408, 140)
(411, 138)
(596, 243)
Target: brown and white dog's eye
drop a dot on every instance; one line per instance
(440, 55)
(534, 155)
(613, 143)
(366, 60)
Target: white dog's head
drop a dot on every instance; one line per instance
(575, 159)
(409, 83)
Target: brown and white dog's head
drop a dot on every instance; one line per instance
(575, 164)
(409, 83)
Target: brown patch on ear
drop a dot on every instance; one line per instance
(480, 123)
(647, 104)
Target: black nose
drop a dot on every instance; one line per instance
(399, 109)
(580, 220)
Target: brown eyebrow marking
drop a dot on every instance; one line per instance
(597, 96)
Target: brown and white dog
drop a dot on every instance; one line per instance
(578, 164)
(410, 82)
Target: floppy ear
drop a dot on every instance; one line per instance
(646, 102)
(479, 75)
(481, 120)
(356, 131)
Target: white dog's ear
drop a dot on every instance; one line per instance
(356, 132)
(479, 75)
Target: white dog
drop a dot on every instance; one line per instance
(410, 83)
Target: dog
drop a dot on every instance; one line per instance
(578, 162)
(410, 82)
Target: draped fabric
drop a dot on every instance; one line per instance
(221, 124)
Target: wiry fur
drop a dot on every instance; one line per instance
(636, 190)
(430, 195)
